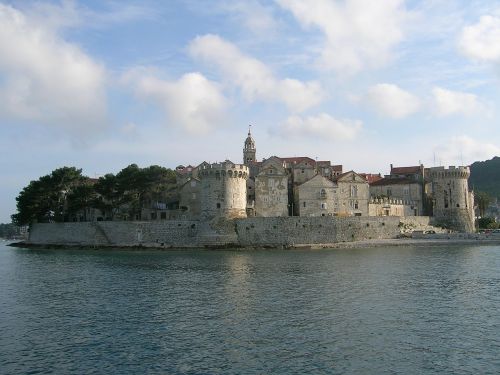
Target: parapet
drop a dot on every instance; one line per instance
(224, 169)
(450, 172)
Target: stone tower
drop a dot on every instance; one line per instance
(453, 203)
(223, 190)
(249, 150)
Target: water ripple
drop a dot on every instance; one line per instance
(346, 311)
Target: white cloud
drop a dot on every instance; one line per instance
(358, 33)
(481, 41)
(192, 102)
(392, 101)
(323, 125)
(46, 79)
(465, 150)
(254, 16)
(447, 102)
(254, 78)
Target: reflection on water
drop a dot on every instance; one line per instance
(384, 310)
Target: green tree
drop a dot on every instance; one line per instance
(482, 201)
(487, 223)
(8, 230)
(81, 197)
(44, 200)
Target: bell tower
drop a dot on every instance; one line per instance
(249, 150)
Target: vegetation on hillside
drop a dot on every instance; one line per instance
(65, 192)
(8, 230)
(485, 177)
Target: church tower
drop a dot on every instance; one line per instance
(249, 151)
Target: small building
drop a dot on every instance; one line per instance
(271, 189)
(353, 194)
(316, 197)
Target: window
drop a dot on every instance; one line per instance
(356, 205)
(218, 205)
(354, 191)
(304, 204)
(322, 193)
(163, 215)
(323, 206)
(153, 215)
(302, 171)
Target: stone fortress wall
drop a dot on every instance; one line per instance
(249, 232)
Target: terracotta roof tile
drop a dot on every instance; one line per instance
(406, 170)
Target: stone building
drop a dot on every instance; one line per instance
(271, 189)
(390, 207)
(346, 195)
(407, 184)
(354, 194)
(316, 197)
(189, 199)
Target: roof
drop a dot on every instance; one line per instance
(296, 160)
(394, 181)
(371, 177)
(406, 170)
(348, 173)
(185, 170)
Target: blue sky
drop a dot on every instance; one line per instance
(103, 84)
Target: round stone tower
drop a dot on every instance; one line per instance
(223, 190)
(249, 150)
(453, 203)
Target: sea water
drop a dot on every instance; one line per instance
(404, 310)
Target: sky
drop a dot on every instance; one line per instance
(103, 84)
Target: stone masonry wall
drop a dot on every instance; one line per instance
(314, 230)
(276, 231)
(132, 233)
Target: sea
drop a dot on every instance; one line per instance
(383, 310)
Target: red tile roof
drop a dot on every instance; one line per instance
(406, 170)
(371, 177)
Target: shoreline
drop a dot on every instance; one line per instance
(362, 244)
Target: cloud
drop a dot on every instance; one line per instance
(358, 33)
(465, 150)
(447, 102)
(255, 80)
(192, 102)
(46, 80)
(481, 41)
(254, 16)
(392, 101)
(323, 125)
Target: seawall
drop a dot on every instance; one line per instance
(250, 232)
